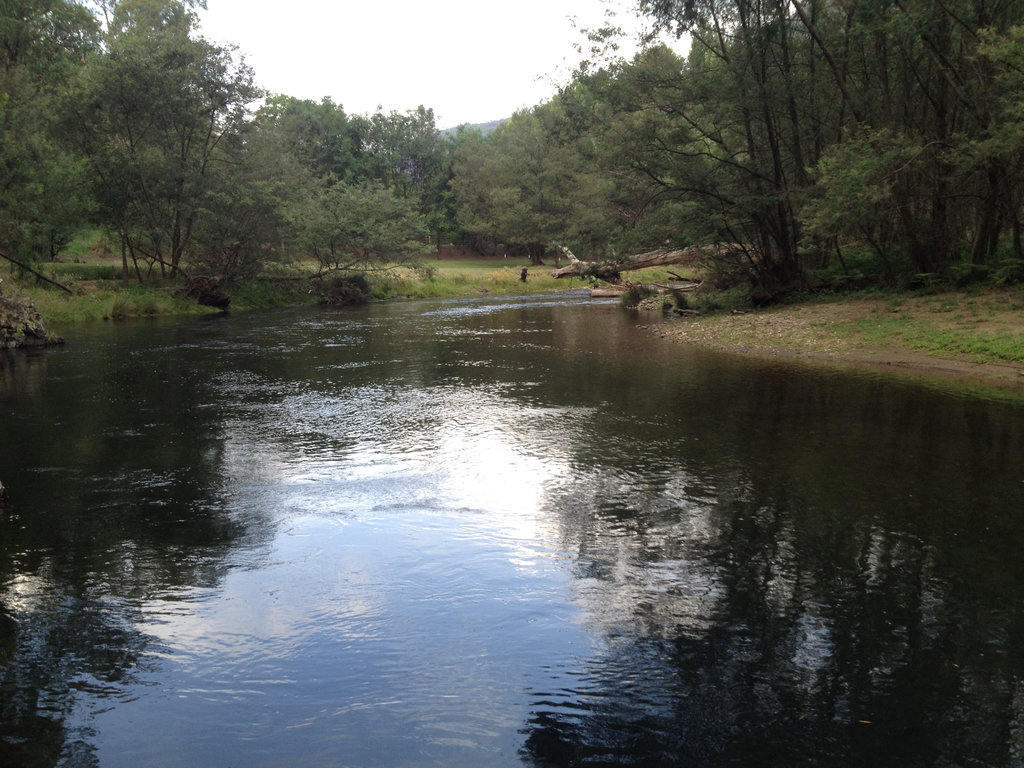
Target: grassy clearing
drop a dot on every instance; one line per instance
(456, 278)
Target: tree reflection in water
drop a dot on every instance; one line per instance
(759, 617)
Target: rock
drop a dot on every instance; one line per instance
(22, 326)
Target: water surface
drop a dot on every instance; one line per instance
(498, 532)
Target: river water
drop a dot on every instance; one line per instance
(494, 533)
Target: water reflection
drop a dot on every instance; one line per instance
(803, 606)
(498, 533)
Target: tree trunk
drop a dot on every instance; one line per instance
(609, 270)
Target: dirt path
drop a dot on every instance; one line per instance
(978, 336)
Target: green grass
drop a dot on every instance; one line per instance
(61, 310)
(454, 278)
(961, 339)
(70, 271)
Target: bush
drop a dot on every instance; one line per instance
(349, 289)
(1009, 272)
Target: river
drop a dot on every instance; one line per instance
(498, 532)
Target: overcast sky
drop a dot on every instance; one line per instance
(472, 61)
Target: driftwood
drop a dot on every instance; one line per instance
(609, 271)
(607, 292)
(684, 285)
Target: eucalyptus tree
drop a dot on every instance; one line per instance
(155, 114)
(403, 153)
(410, 157)
(627, 118)
(895, 105)
(751, 116)
(1003, 146)
(321, 136)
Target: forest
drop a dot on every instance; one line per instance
(796, 141)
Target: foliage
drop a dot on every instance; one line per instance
(43, 197)
(361, 227)
(635, 294)
(155, 115)
(805, 139)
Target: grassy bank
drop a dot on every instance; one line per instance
(977, 333)
(96, 290)
(979, 329)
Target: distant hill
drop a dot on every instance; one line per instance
(484, 128)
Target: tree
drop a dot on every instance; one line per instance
(513, 186)
(43, 196)
(359, 228)
(155, 113)
(329, 143)
(243, 225)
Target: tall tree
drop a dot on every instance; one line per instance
(358, 228)
(322, 137)
(155, 113)
(514, 185)
(748, 101)
(43, 197)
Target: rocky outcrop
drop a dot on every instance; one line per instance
(22, 326)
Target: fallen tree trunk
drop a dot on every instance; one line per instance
(610, 271)
(40, 275)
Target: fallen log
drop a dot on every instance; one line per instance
(38, 274)
(607, 292)
(683, 286)
(610, 270)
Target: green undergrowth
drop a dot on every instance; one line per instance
(60, 309)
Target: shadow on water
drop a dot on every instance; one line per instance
(499, 533)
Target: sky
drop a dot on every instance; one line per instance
(471, 61)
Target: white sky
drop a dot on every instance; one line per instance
(472, 61)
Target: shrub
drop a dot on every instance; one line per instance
(348, 289)
(1009, 272)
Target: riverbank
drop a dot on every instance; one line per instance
(94, 290)
(974, 335)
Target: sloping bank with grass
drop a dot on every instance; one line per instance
(975, 333)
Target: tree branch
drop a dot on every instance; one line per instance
(40, 275)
